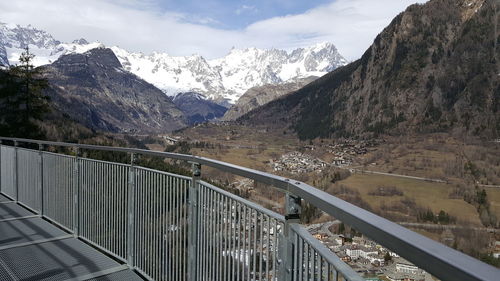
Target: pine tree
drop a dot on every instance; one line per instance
(22, 98)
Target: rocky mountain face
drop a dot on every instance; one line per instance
(261, 95)
(93, 89)
(223, 80)
(197, 108)
(14, 38)
(436, 67)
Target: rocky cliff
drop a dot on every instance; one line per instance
(261, 95)
(435, 68)
(93, 89)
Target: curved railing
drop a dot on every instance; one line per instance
(172, 227)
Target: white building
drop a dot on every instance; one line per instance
(356, 251)
(405, 266)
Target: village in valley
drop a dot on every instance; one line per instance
(365, 256)
(317, 163)
(344, 154)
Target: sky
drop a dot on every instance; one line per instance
(210, 27)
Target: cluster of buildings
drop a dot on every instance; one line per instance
(296, 163)
(344, 152)
(368, 258)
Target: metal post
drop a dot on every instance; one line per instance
(76, 193)
(131, 207)
(286, 253)
(16, 185)
(193, 222)
(40, 148)
(1, 165)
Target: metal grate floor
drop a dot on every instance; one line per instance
(33, 249)
(4, 199)
(13, 211)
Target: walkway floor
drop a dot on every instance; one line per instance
(33, 249)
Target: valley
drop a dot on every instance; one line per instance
(410, 131)
(452, 189)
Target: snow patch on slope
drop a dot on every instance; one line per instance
(224, 79)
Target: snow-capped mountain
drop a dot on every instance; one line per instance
(243, 69)
(14, 38)
(223, 80)
(231, 76)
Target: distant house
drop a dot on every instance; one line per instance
(404, 270)
(357, 251)
(344, 257)
(405, 266)
(496, 252)
(169, 140)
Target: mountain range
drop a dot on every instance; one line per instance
(435, 68)
(223, 80)
(94, 89)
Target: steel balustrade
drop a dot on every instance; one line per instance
(172, 227)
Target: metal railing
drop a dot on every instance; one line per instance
(172, 227)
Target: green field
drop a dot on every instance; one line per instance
(426, 194)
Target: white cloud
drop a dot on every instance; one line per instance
(350, 24)
(245, 8)
(137, 25)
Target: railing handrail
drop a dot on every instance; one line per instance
(436, 258)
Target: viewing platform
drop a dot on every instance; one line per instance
(68, 217)
(33, 249)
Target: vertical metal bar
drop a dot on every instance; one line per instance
(227, 228)
(261, 246)
(1, 146)
(254, 265)
(328, 273)
(16, 168)
(244, 248)
(268, 246)
(232, 255)
(199, 235)
(203, 230)
(313, 264)
(131, 204)
(211, 231)
(175, 230)
(164, 227)
(276, 249)
(286, 257)
(219, 237)
(157, 223)
(193, 221)
(249, 243)
(306, 253)
(238, 240)
(184, 227)
(170, 225)
(40, 147)
(320, 261)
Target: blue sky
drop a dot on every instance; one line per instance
(238, 14)
(210, 27)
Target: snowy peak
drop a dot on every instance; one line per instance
(80, 41)
(14, 38)
(223, 80)
(172, 74)
(251, 67)
(321, 57)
